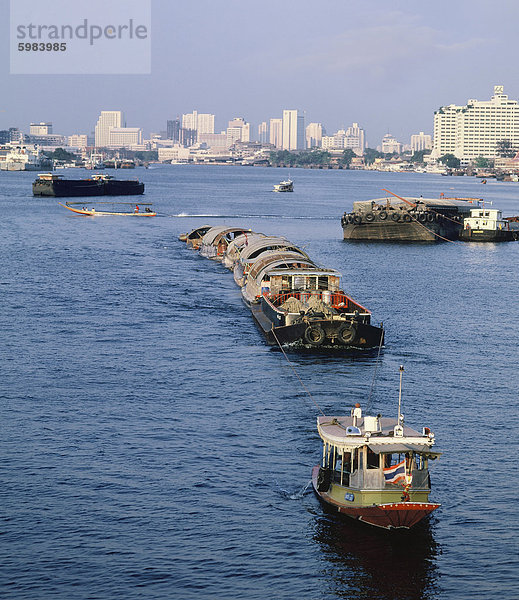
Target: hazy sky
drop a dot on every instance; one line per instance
(386, 65)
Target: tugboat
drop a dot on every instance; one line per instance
(375, 469)
(48, 184)
(294, 302)
(486, 225)
(284, 186)
(407, 219)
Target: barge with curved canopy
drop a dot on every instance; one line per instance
(375, 469)
(295, 302)
(408, 219)
(193, 239)
(215, 242)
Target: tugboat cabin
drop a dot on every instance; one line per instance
(373, 460)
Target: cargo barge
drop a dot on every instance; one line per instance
(48, 184)
(408, 219)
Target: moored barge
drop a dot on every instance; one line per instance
(401, 219)
(49, 184)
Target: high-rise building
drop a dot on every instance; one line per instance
(263, 132)
(173, 130)
(421, 141)
(276, 132)
(107, 120)
(40, 128)
(293, 130)
(477, 128)
(314, 135)
(201, 123)
(124, 137)
(390, 145)
(355, 138)
(238, 130)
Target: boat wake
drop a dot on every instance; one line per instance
(295, 495)
(212, 216)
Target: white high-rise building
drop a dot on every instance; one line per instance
(476, 129)
(238, 131)
(78, 140)
(276, 132)
(355, 138)
(263, 132)
(421, 141)
(40, 129)
(390, 145)
(314, 135)
(124, 137)
(201, 123)
(107, 120)
(293, 130)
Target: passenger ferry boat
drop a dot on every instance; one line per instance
(485, 225)
(284, 186)
(375, 469)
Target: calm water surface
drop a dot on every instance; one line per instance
(154, 447)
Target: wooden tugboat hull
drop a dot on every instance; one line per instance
(391, 515)
(485, 235)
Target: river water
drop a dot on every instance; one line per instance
(154, 447)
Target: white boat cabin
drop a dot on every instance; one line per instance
(277, 282)
(485, 219)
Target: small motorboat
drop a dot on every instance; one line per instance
(375, 469)
(284, 186)
(135, 211)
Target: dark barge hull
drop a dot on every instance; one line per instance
(366, 336)
(85, 187)
(479, 235)
(391, 231)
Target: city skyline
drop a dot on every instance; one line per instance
(385, 68)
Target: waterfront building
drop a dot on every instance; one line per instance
(124, 137)
(40, 128)
(293, 130)
(477, 128)
(390, 145)
(78, 140)
(214, 140)
(421, 141)
(107, 120)
(314, 135)
(263, 132)
(276, 132)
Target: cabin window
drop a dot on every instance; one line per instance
(322, 282)
(285, 282)
(372, 460)
(299, 282)
(311, 283)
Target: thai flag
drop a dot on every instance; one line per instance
(395, 473)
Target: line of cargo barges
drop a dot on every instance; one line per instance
(293, 300)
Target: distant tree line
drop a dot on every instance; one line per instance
(318, 158)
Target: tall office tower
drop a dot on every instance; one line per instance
(173, 130)
(314, 135)
(390, 144)
(477, 128)
(355, 138)
(107, 120)
(421, 141)
(40, 129)
(293, 130)
(263, 132)
(276, 132)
